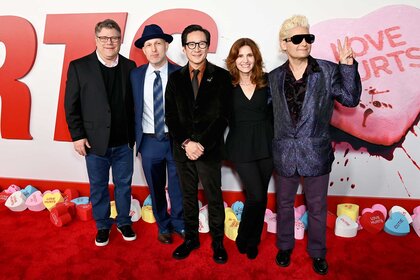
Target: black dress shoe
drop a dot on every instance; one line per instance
(283, 257)
(241, 246)
(165, 238)
(320, 265)
(219, 253)
(127, 232)
(252, 252)
(185, 249)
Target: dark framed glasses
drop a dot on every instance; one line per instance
(297, 39)
(192, 45)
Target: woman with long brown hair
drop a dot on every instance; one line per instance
(248, 143)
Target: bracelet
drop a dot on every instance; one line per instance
(185, 143)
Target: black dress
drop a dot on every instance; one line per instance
(250, 128)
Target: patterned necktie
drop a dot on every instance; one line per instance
(158, 107)
(194, 82)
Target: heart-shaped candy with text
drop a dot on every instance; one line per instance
(416, 224)
(12, 188)
(231, 224)
(372, 222)
(34, 202)
(299, 230)
(113, 209)
(299, 211)
(238, 208)
(271, 219)
(135, 210)
(16, 202)
(348, 209)
(203, 219)
(70, 206)
(345, 227)
(51, 198)
(80, 200)
(147, 214)
(376, 207)
(401, 210)
(59, 215)
(304, 219)
(84, 212)
(148, 201)
(29, 190)
(397, 224)
(70, 194)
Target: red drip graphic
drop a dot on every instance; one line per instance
(412, 160)
(402, 181)
(365, 115)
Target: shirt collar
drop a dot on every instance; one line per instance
(113, 64)
(163, 69)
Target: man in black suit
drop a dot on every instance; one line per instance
(100, 117)
(196, 106)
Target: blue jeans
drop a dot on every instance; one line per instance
(121, 160)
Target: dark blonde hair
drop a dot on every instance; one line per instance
(257, 72)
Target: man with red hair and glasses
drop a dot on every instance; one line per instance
(304, 90)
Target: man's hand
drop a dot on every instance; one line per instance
(345, 52)
(80, 146)
(194, 150)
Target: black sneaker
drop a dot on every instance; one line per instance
(102, 237)
(127, 233)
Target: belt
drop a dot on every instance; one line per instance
(153, 135)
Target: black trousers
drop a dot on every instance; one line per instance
(255, 176)
(209, 174)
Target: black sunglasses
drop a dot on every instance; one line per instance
(297, 39)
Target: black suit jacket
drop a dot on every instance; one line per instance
(86, 103)
(202, 120)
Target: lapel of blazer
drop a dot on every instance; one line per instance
(95, 71)
(124, 74)
(284, 108)
(187, 90)
(310, 98)
(140, 79)
(205, 82)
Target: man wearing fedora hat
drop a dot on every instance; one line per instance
(152, 141)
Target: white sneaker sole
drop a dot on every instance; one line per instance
(127, 238)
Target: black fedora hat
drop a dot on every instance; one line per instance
(152, 31)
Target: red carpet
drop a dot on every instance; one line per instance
(31, 247)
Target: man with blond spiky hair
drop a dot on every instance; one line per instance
(304, 90)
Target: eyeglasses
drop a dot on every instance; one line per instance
(297, 39)
(193, 45)
(105, 39)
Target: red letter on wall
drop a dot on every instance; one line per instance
(19, 38)
(173, 22)
(77, 32)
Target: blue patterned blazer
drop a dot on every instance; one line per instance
(306, 147)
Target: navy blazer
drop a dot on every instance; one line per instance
(88, 113)
(203, 119)
(306, 147)
(137, 82)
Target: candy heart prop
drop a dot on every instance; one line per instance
(231, 224)
(372, 222)
(299, 211)
(12, 188)
(416, 210)
(84, 212)
(304, 219)
(28, 190)
(34, 202)
(70, 194)
(4, 196)
(331, 218)
(376, 207)
(60, 216)
(401, 210)
(80, 200)
(299, 230)
(225, 204)
(51, 198)
(345, 227)
(238, 207)
(200, 204)
(135, 210)
(348, 209)
(147, 214)
(397, 224)
(16, 202)
(416, 224)
(203, 220)
(71, 207)
(113, 211)
(148, 201)
(271, 219)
